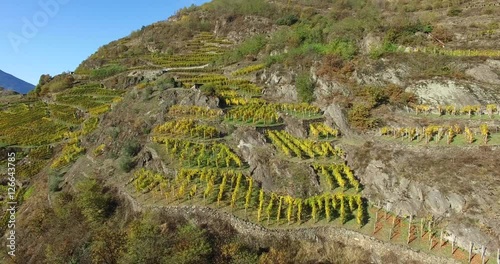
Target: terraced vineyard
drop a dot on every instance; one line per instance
(203, 49)
(200, 144)
(35, 129)
(450, 134)
(302, 148)
(30, 125)
(75, 112)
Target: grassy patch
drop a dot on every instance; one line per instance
(107, 71)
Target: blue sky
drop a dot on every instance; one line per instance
(52, 36)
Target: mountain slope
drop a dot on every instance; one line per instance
(11, 82)
(294, 118)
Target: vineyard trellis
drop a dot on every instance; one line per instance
(192, 153)
(187, 128)
(216, 185)
(301, 148)
(437, 132)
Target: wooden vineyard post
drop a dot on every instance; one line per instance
(429, 230)
(409, 230)
(470, 252)
(453, 245)
(483, 254)
(430, 241)
(421, 228)
(386, 210)
(392, 227)
(441, 239)
(390, 232)
(376, 220)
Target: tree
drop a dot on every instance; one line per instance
(451, 109)
(221, 189)
(314, 210)
(278, 214)
(190, 245)
(451, 135)
(469, 136)
(107, 245)
(343, 213)
(470, 109)
(145, 243)
(209, 187)
(94, 203)
(298, 203)
(360, 216)
(234, 196)
(485, 132)
(350, 176)
(269, 207)
(327, 208)
(261, 204)
(491, 109)
(248, 195)
(192, 192)
(289, 201)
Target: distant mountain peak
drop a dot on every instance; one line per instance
(11, 82)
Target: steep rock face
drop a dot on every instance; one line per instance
(388, 76)
(280, 84)
(334, 115)
(275, 173)
(295, 126)
(440, 92)
(240, 28)
(484, 73)
(325, 89)
(380, 73)
(187, 97)
(450, 185)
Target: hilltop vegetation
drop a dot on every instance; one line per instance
(206, 137)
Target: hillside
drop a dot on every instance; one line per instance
(11, 82)
(258, 131)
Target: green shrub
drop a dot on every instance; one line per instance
(92, 201)
(55, 178)
(305, 87)
(454, 11)
(288, 20)
(359, 117)
(270, 60)
(251, 46)
(166, 83)
(147, 92)
(344, 48)
(131, 148)
(376, 96)
(192, 244)
(114, 132)
(107, 71)
(146, 243)
(208, 89)
(387, 47)
(127, 163)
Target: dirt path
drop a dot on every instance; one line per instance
(186, 68)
